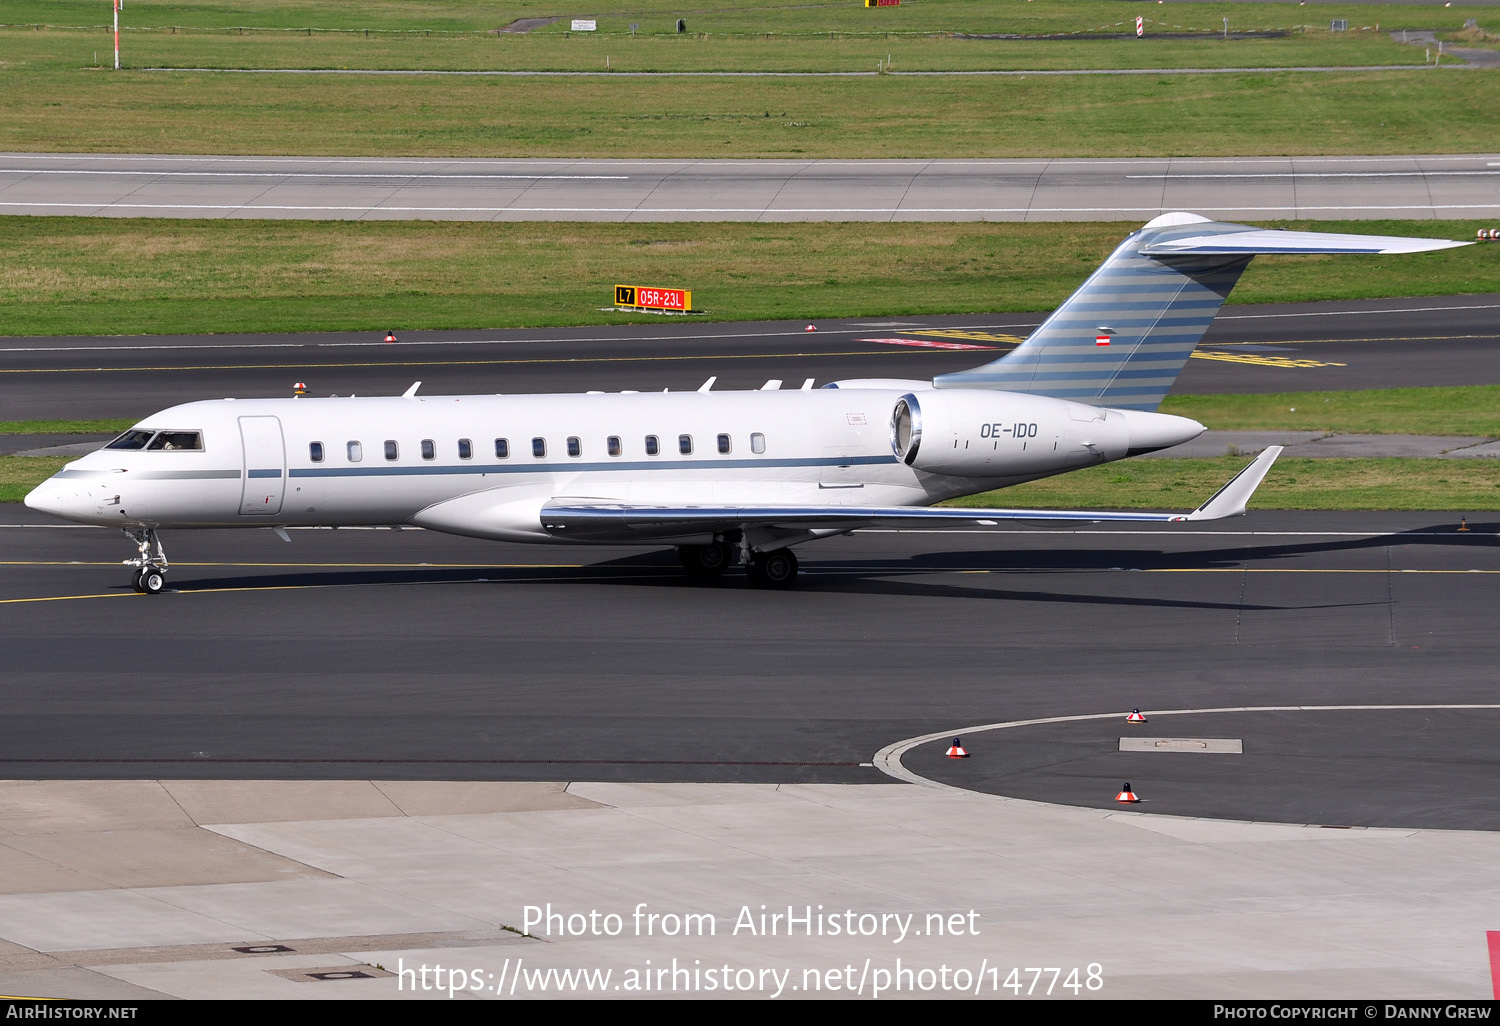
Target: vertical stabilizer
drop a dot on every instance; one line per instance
(1124, 336)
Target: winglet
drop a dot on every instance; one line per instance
(1230, 500)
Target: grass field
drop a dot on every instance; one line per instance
(435, 18)
(1459, 484)
(59, 98)
(157, 276)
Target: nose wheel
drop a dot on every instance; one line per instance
(151, 565)
(150, 581)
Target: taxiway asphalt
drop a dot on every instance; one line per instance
(1451, 340)
(413, 655)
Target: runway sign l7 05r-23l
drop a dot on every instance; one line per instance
(653, 299)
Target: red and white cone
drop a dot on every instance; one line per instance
(390, 336)
(1135, 717)
(300, 388)
(956, 750)
(1126, 795)
(811, 327)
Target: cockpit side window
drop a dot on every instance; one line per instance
(191, 440)
(132, 439)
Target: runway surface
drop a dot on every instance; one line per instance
(1249, 349)
(1247, 188)
(414, 655)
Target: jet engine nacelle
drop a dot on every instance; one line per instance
(978, 433)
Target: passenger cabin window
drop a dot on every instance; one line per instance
(391, 452)
(685, 444)
(652, 445)
(757, 443)
(575, 447)
(502, 448)
(539, 448)
(134, 439)
(723, 445)
(356, 452)
(465, 449)
(614, 445)
(172, 440)
(315, 451)
(429, 449)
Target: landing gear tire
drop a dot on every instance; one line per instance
(150, 581)
(705, 560)
(774, 569)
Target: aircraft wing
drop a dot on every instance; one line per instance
(598, 520)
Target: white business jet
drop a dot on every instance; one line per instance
(722, 476)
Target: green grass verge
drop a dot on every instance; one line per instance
(20, 474)
(118, 276)
(57, 102)
(62, 427)
(437, 18)
(1333, 484)
(1471, 410)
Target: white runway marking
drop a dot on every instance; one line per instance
(888, 759)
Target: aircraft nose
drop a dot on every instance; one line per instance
(51, 496)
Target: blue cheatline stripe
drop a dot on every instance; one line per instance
(632, 466)
(265, 473)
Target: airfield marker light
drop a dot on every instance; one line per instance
(811, 327)
(956, 750)
(300, 388)
(390, 336)
(1483, 233)
(1135, 717)
(1126, 795)
(1463, 523)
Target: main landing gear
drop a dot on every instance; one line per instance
(151, 564)
(774, 569)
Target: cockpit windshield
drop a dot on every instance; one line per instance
(177, 440)
(141, 438)
(132, 439)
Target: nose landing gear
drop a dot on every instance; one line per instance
(151, 564)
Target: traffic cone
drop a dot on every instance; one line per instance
(1463, 523)
(300, 388)
(811, 327)
(1135, 717)
(956, 750)
(390, 336)
(1126, 795)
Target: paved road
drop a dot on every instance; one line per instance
(1250, 188)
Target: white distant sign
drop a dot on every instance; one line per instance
(584, 25)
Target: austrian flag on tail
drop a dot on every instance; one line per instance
(1101, 340)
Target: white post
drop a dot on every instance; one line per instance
(117, 34)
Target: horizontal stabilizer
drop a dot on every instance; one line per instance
(1258, 241)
